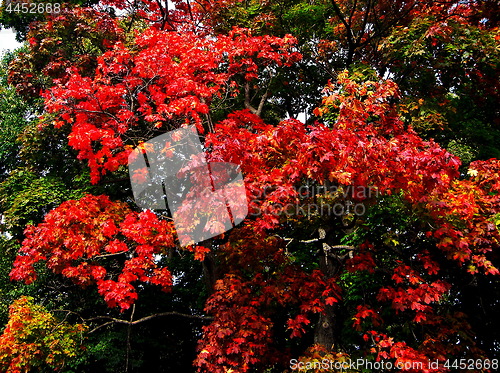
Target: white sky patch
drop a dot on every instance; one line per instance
(8, 40)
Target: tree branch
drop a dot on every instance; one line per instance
(350, 35)
(248, 104)
(365, 22)
(114, 320)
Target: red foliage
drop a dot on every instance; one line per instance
(367, 146)
(167, 77)
(82, 239)
(241, 334)
(466, 217)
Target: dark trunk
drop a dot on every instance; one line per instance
(325, 331)
(209, 268)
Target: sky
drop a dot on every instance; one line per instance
(7, 40)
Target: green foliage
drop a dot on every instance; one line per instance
(453, 67)
(15, 115)
(26, 198)
(8, 249)
(463, 151)
(308, 19)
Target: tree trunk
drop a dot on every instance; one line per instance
(325, 331)
(209, 268)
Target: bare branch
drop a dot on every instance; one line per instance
(150, 317)
(342, 247)
(261, 103)
(248, 105)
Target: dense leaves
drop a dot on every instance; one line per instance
(77, 237)
(34, 338)
(131, 94)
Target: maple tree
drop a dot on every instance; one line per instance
(364, 233)
(441, 54)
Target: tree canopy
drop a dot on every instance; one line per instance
(366, 132)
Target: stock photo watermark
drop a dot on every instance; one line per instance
(205, 199)
(171, 172)
(355, 365)
(317, 200)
